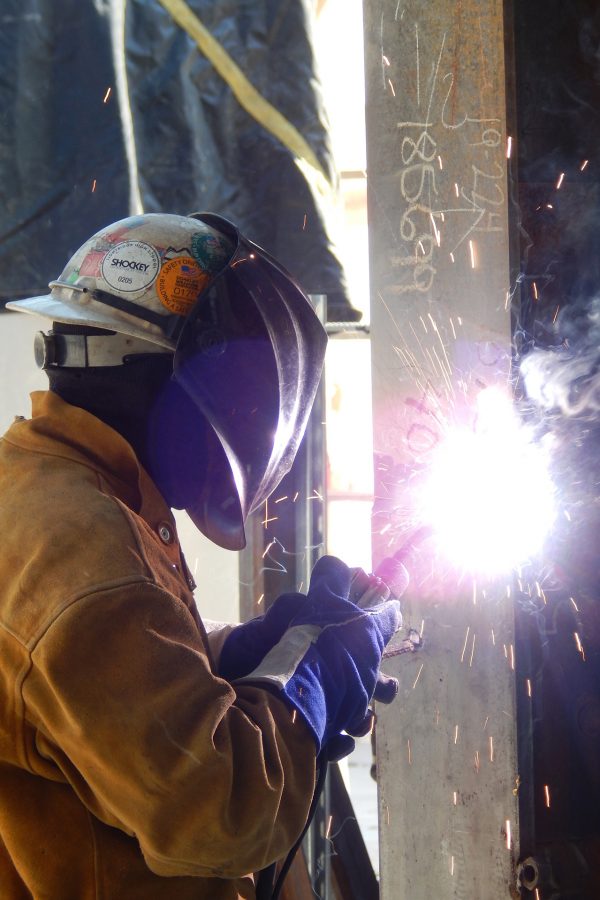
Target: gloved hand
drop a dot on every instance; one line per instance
(326, 661)
(248, 643)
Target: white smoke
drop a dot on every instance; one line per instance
(566, 380)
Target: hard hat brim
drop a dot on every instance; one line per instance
(91, 314)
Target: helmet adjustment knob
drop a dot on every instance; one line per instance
(44, 350)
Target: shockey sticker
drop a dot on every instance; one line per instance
(130, 266)
(179, 283)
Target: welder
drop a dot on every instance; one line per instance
(141, 757)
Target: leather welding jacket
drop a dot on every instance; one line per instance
(128, 768)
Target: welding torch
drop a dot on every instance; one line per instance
(389, 581)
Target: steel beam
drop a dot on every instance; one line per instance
(437, 146)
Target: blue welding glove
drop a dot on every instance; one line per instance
(248, 643)
(326, 662)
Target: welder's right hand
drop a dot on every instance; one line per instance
(326, 663)
(247, 644)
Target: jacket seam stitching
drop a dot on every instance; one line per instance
(81, 595)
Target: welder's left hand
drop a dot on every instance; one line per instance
(248, 643)
(326, 662)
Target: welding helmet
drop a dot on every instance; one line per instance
(247, 346)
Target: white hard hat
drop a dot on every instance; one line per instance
(138, 276)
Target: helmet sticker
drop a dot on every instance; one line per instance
(211, 250)
(91, 264)
(179, 283)
(130, 266)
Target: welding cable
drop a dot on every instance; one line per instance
(266, 886)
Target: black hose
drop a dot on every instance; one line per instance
(266, 889)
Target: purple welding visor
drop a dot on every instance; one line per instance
(249, 357)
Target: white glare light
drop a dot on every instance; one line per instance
(489, 496)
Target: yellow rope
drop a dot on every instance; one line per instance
(247, 95)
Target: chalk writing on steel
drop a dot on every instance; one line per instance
(442, 213)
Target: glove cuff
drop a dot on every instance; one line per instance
(287, 668)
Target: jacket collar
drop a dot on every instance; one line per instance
(59, 429)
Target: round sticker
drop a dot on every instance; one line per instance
(179, 283)
(211, 250)
(130, 266)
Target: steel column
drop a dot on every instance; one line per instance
(439, 257)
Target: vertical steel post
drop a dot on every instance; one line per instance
(439, 257)
(310, 538)
(284, 541)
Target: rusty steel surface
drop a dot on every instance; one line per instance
(440, 295)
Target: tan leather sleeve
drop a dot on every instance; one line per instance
(211, 781)
(216, 635)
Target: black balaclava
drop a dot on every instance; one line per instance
(140, 401)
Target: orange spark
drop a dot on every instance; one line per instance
(472, 253)
(472, 651)
(268, 547)
(418, 676)
(465, 644)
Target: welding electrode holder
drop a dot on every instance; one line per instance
(389, 581)
(369, 591)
